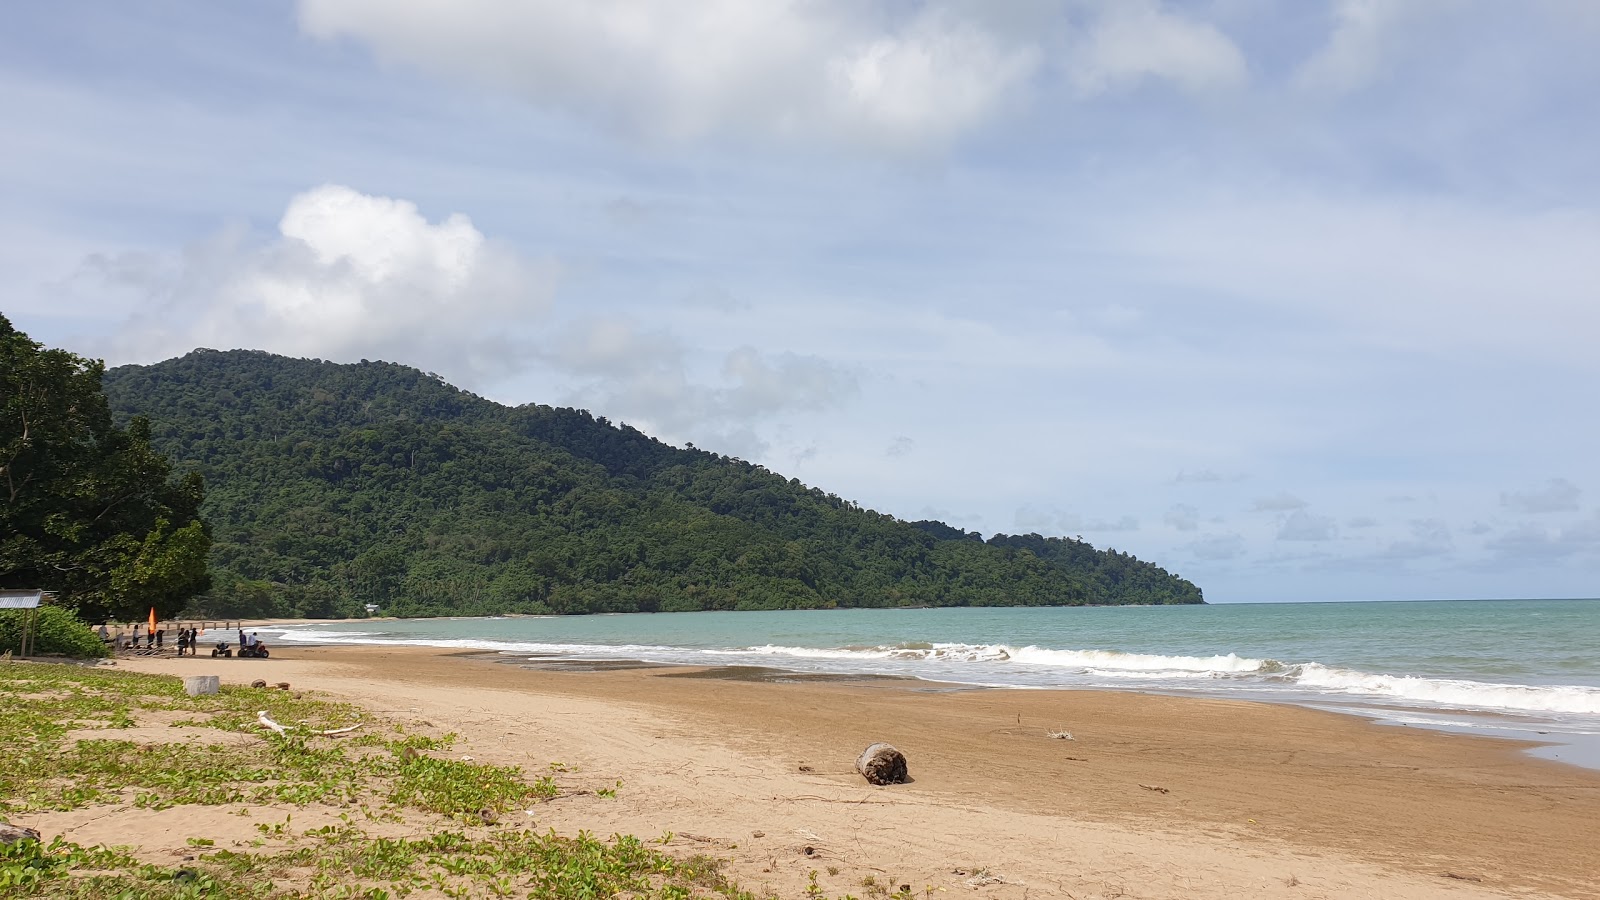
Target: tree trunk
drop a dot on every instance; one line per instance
(882, 764)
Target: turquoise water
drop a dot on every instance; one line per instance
(1507, 666)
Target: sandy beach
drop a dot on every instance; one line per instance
(1152, 797)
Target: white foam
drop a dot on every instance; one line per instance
(1451, 693)
(1136, 662)
(1033, 666)
(1105, 661)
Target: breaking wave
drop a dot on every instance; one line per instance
(1032, 666)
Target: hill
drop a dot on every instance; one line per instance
(329, 486)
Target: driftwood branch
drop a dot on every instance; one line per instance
(265, 721)
(10, 834)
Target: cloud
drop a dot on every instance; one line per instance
(1530, 544)
(1354, 53)
(644, 377)
(880, 73)
(871, 73)
(347, 275)
(1216, 548)
(1183, 517)
(1280, 502)
(1138, 39)
(1442, 275)
(900, 446)
(1558, 495)
(1361, 522)
(1204, 476)
(1031, 518)
(1303, 526)
(1435, 532)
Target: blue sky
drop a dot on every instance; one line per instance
(1295, 299)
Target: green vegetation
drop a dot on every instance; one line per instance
(87, 509)
(372, 778)
(332, 486)
(56, 631)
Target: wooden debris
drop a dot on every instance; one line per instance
(258, 683)
(1158, 789)
(265, 721)
(881, 763)
(10, 834)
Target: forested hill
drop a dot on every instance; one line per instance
(330, 486)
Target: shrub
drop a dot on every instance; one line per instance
(56, 631)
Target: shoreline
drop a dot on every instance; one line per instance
(1552, 740)
(1257, 794)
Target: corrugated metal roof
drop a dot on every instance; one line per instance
(20, 599)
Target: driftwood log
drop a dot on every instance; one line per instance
(265, 721)
(10, 834)
(881, 763)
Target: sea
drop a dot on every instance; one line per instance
(1527, 669)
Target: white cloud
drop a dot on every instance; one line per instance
(646, 378)
(1558, 495)
(1354, 52)
(884, 74)
(1137, 39)
(900, 446)
(858, 72)
(1408, 273)
(348, 275)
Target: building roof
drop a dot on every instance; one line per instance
(20, 599)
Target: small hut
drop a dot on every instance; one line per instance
(28, 602)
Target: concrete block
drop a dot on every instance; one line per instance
(195, 685)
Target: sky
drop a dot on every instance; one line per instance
(1295, 299)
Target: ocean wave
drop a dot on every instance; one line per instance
(1004, 665)
(1078, 660)
(1450, 693)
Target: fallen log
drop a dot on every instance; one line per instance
(10, 834)
(881, 763)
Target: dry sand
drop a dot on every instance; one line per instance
(1153, 797)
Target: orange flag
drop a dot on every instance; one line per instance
(152, 619)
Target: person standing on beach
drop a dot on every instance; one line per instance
(194, 641)
(161, 638)
(183, 640)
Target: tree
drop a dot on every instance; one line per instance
(87, 509)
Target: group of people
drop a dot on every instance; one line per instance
(154, 639)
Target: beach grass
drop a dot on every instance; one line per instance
(79, 737)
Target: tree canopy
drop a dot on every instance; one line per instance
(332, 486)
(89, 509)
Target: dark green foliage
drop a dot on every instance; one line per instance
(332, 486)
(87, 509)
(56, 632)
